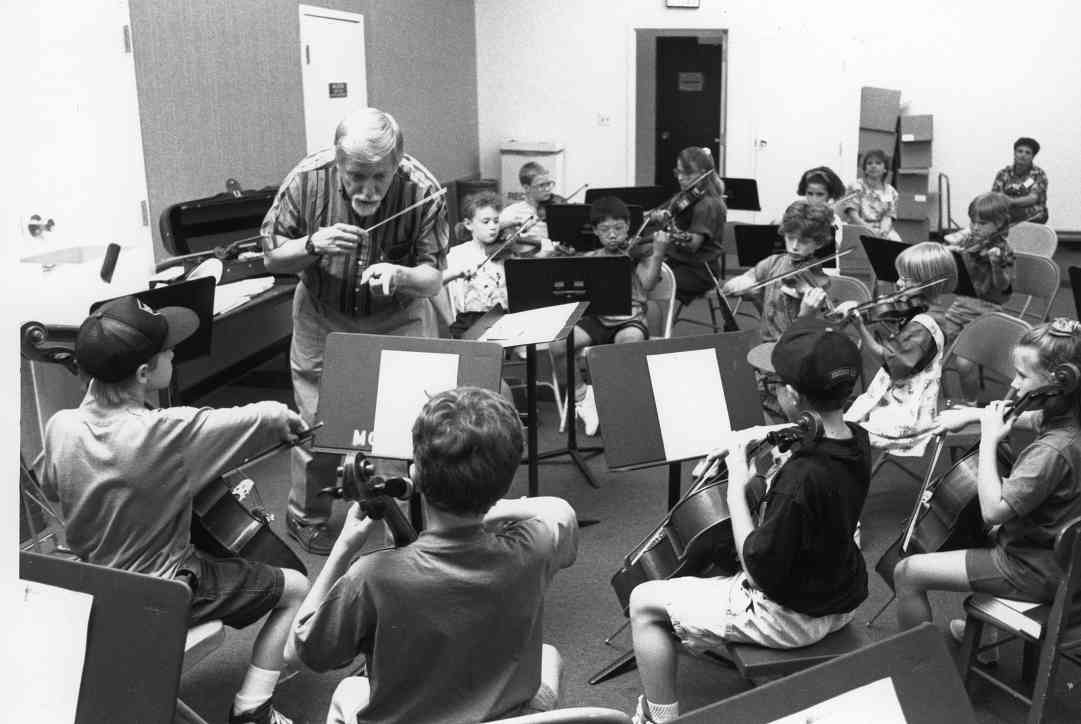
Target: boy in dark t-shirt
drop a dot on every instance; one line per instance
(803, 575)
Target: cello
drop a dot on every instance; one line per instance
(697, 531)
(947, 514)
(225, 524)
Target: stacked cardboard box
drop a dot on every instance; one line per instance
(879, 110)
(916, 208)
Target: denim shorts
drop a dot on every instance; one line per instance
(236, 591)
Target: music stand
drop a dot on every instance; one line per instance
(646, 197)
(917, 663)
(118, 650)
(569, 224)
(883, 253)
(603, 281)
(1075, 285)
(755, 242)
(570, 314)
(741, 194)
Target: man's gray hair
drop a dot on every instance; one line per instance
(370, 135)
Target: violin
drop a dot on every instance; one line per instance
(802, 280)
(947, 512)
(509, 243)
(697, 531)
(662, 218)
(896, 308)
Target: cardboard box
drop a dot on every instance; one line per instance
(917, 128)
(882, 140)
(912, 180)
(879, 109)
(912, 231)
(916, 154)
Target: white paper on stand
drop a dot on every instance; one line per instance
(875, 702)
(535, 326)
(691, 405)
(54, 622)
(406, 381)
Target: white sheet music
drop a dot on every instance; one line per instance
(531, 327)
(691, 405)
(52, 621)
(406, 381)
(875, 702)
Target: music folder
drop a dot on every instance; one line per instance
(569, 224)
(883, 253)
(603, 281)
(755, 242)
(198, 296)
(374, 385)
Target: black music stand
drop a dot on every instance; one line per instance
(646, 197)
(918, 663)
(883, 253)
(573, 314)
(1075, 285)
(755, 242)
(118, 650)
(349, 387)
(569, 224)
(741, 194)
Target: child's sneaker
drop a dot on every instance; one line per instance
(988, 657)
(263, 714)
(586, 409)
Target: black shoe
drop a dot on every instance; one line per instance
(264, 714)
(316, 539)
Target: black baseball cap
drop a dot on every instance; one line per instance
(124, 333)
(816, 358)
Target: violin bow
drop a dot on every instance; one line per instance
(406, 210)
(797, 270)
(574, 193)
(527, 224)
(301, 438)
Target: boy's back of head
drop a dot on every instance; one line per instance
(467, 445)
(819, 362)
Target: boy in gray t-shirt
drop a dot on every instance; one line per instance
(125, 477)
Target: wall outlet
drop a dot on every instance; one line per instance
(604, 120)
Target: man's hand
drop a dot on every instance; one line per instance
(355, 531)
(338, 240)
(383, 278)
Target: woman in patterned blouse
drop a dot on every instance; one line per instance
(871, 201)
(1024, 183)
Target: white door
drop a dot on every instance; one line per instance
(333, 70)
(76, 149)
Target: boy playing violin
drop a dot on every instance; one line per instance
(1028, 506)
(476, 286)
(611, 223)
(450, 626)
(125, 477)
(802, 575)
(806, 228)
(537, 186)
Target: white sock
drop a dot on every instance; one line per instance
(258, 686)
(663, 712)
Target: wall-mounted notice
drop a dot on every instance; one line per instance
(691, 82)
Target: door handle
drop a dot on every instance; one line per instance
(665, 135)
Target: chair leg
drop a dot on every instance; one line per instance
(1045, 677)
(184, 714)
(969, 646)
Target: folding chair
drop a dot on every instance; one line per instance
(1036, 281)
(201, 641)
(856, 264)
(1030, 238)
(1048, 632)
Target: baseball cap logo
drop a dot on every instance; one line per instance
(145, 308)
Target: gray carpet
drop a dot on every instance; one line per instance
(581, 609)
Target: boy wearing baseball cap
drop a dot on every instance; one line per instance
(125, 476)
(802, 574)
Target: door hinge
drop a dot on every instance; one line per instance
(127, 39)
(145, 211)
(308, 53)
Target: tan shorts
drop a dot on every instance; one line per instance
(707, 612)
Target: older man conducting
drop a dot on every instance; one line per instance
(356, 273)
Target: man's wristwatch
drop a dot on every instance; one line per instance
(309, 246)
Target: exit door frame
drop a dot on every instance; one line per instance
(643, 98)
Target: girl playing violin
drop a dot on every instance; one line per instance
(1028, 506)
(902, 399)
(989, 260)
(696, 223)
(806, 229)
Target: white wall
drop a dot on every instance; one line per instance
(547, 70)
